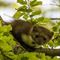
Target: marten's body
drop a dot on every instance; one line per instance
(21, 27)
(39, 35)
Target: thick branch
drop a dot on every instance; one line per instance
(48, 51)
(55, 18)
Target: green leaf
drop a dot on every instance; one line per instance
(58, 23)
(55, 28)
(24, 58)
(36, 13)
(24, 9)
(25, 16)
(18, 14)
(28, 56)
(55, 58)
(11, 55)
(35, 3)
(40, 19)
(5, 47)
(51, 43)
(48, 58)
(6, 38)
(21, 1)
(5, 28)
(42, 56)
(1, 57)
(0, 23)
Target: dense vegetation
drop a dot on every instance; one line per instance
(10, 49)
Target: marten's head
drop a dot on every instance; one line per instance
(41, 35)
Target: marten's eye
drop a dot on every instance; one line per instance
(44, 38)
(33, 42)
(36, 36)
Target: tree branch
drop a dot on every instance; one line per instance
(48, 51)
(55, 18)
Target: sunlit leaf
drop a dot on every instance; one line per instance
(1, 57)
(28, 56)
(24, 9)
(18, 14)
(25, 16)
(36, 13)
(51, 43)
(42, 56)
(21, 1)
(48, 58)
(35, 3)
(55, 58)
(11, 55)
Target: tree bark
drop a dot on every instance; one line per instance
(49, 51)
(55, 18)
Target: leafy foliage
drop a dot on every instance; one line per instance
(6, 38)
(26, 10)
(21, 1)
(8, 43)
(35, 3)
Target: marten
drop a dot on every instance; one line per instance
(37, 34)
(30, 35)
